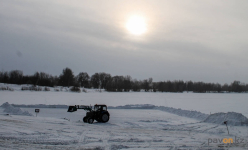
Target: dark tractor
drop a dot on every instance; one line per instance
(99, 113)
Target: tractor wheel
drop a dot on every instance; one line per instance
(105, 118)
(85, 119)
(90, 120)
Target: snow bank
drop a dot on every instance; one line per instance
(232, 118)
(185, 113)
(13, 110)
(135, 106)
(39, 106)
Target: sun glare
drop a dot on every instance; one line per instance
(136, 25)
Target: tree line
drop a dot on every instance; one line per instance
(117, 83)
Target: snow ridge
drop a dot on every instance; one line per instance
(185, 113)
(135, 106)
(14, 110)
(39, 106)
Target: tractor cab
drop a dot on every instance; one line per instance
(100, 107)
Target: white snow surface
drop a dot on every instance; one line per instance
(126, 129)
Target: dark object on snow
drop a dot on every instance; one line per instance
(37, 111)
(99, 113)
(225, 122)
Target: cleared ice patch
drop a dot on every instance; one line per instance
(14, 110)
(185, 113)
(232, 118)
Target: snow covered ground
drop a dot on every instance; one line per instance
(157, 128)
(127, 129)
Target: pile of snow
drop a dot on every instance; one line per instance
(185, 113)
(232, 118)
(13, 110)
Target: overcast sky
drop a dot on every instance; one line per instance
(194, 40)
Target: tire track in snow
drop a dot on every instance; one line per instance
(81, 139)
(105, 139)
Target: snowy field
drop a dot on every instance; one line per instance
(127, 128)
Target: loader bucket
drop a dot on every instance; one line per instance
(72, 109)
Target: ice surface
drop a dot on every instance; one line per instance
(185, 113)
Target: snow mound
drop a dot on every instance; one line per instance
(232, 118)
(13, 110)
(185, 113)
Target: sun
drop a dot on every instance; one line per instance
(136, 25)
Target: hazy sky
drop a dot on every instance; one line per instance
(198, 40)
